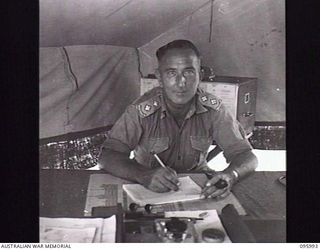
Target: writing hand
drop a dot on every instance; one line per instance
(160, 180)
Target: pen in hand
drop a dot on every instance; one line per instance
(159, 161)
(162, 164)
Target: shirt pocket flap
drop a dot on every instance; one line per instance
(200, 143)
(158, 145)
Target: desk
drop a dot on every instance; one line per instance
(63, 194)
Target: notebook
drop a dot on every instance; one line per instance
(188, 190)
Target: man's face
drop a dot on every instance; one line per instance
(179, 75)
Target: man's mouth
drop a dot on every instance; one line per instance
(181, 92)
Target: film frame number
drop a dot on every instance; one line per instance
(308, 245)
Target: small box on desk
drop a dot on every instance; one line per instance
(238, 94)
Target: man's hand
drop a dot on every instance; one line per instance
(211, 191)
(160, 180)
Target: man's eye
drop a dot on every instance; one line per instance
(188, 73)
(171, 73)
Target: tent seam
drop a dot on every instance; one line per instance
(73, 79)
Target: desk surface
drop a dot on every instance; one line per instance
(63, 194)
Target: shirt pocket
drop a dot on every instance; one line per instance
(158, 145)
(200, 145)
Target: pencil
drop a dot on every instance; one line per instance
(164, 166)
(159, 160)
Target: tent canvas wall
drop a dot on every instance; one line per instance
(85, 87)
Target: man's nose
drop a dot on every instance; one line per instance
(181, 80)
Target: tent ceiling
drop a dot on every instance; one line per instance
(130, 23)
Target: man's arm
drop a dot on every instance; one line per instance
(121, 139)
(230, 137)
(241, 166)
(119, 165)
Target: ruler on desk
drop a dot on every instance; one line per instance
(101, 193)
(203, 204)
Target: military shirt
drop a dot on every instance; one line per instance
(147, 128)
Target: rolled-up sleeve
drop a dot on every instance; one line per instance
(229, 134)
(126, 132)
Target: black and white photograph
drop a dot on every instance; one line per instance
(162, 121)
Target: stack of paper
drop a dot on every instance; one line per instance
(80, 230)
(188, 190)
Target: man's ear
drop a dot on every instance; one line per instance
(157, 73)
(201, 73)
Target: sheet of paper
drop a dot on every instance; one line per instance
(67, 235)
(108, 234)
(210, 220)
(77, 230)
(188, 190)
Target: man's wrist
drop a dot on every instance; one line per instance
(243, 165)
(233, 174)
(143, 177)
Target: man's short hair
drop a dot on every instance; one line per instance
(177, 44)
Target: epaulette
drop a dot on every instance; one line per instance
(149, 106)
(210, 100)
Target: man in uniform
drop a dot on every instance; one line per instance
(178, 122)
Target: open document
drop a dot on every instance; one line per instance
(79, 230)
(188, 190)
